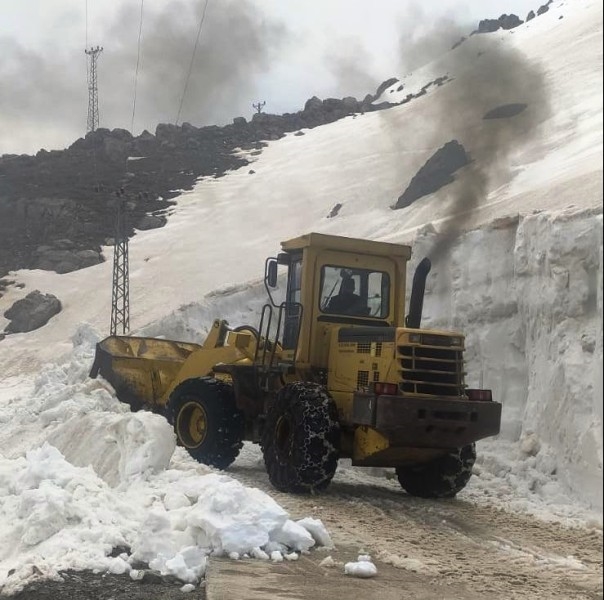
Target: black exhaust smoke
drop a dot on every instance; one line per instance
(416, 303)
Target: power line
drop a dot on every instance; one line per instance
(138, 56)
(203, 16)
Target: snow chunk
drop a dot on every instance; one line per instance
(328, 561)
(363, 568)
(294, 536)
(316, 528)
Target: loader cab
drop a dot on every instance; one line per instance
(334, 282)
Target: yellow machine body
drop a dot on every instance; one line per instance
(426, 411)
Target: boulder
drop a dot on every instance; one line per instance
(115, 150)
(350, 104)
(151, 222)
(503, 22)
(121, 134)
(313, 104)
(488, 26)
(166, 131)
(144, 144)
(510, 21)
(31, 312)
(60, 260)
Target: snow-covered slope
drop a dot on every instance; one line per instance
(522, 278)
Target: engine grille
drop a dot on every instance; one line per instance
(362, 379)
(429, 370)
(365, 348)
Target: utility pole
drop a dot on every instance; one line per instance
(120, 301)
(93, 95)
(259, 106)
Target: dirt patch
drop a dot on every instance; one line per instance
(85, 585)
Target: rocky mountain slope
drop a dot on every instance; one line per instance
(57, 208)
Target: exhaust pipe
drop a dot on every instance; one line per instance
(416, 303)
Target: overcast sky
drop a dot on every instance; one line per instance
(278, 51)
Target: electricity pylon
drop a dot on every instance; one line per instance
(93, 94)
(120, 301)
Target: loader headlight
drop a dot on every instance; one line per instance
(415, 338)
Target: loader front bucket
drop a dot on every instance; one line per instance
(140, 370)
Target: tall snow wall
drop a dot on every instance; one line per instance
(527, 292)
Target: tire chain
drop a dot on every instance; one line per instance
(315, 440)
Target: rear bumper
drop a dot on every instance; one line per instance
(427, 422)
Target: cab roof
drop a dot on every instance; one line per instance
(346, 244)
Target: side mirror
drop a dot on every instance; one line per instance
(271, 273)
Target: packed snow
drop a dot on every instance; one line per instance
(85, 483)
(80, 476)
(363, 567)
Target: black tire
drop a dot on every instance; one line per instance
(301, 439)
(206, 421)
(443, 477)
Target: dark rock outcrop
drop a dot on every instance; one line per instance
(151, 222)
(437, 172)
(543, 9)
(384, 86)
(461, 40)
(334, 211)
(503, 22)
(31, 312)
(49, 258)
(505, 111)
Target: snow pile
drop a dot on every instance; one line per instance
(123, 487)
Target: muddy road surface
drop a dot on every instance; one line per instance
(474, 551)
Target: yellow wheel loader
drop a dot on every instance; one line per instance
(334, 369)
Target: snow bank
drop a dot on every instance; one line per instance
(82, 476)
(528, 294)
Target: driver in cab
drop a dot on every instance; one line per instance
(347, 301)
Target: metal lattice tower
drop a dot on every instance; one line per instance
(93, 94)
(120, 301)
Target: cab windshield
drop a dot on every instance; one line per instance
(356, 292)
